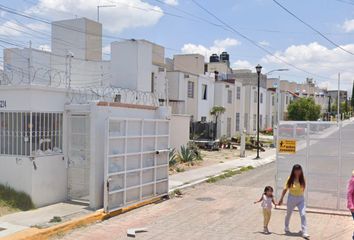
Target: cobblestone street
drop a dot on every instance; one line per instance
(222, 210)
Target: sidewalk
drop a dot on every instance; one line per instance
(201, 174)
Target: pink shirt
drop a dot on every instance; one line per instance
(351, 193)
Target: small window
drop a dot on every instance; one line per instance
(204, 92)
(238, 93)
(261, 98)
(229, 96)
(254, 122)
(152, 82)
(237, 122)
(203, 119)
(186, 75)
(161, 69)
(190, 89)
(273, 100)
(261, 121)
(255, 97)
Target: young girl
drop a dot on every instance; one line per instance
(296, 186)
(267, 199)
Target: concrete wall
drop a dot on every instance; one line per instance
(189, 63)
(81, 36)
(44, 178)
(179, 131)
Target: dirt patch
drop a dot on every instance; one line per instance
(210, 158)
(4, 209)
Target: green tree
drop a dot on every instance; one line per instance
(304, 109)
(217, 111)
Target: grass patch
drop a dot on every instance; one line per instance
(228, 174)
(13, 199)
(55, 219)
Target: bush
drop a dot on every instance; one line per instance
(196, 151)
(172, 157)
(14, 199)
(186, 155)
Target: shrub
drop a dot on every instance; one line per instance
(172, 157)
(186, 155)
(15, 199)
(196, 151)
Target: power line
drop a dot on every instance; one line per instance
(254, 42)
(311, 27)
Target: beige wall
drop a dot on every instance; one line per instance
(179, 131)
(191, 63)
(220, 67)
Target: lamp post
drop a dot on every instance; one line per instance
(258, 69)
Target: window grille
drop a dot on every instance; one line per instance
(31, 133)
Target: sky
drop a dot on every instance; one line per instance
(181, 26)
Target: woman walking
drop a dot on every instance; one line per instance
(296, 186)
(351, 196)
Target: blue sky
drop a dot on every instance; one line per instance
(261, 20)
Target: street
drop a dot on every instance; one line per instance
(222, 210)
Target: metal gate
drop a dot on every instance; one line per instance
(136, 161)
(78, 157)
(325, 151)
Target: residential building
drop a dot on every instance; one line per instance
(333, 94)
(191, 91)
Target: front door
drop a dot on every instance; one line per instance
(78, 157)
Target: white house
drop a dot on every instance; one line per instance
(79, 128)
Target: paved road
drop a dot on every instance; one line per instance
(223, 210)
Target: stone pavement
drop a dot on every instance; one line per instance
(200, 174)
(223, 210)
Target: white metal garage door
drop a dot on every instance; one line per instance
(136, 161)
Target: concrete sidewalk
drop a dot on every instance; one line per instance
(201, 174)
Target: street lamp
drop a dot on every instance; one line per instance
(258, 69)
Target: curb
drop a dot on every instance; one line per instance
(98, 216)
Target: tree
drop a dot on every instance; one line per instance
(304, 109)
(217, 111)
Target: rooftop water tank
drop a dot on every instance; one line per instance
(214, 58)
(224, 57)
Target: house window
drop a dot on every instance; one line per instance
(204, 92)
(261, 98)
(255, 97)
(261, 121)
(229, 96)
(273, 100)
(186, 75)
(228, 127)
(190, 89)
(238, 93)
(161, 69)
(152, 82)
(237, 122)
(246, 121)
(31, 133)
(272, 120)
(203, 119)
(254, 122)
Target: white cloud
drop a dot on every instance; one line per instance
(13, 29)
(218, 46)
(264, 43)
(318, 59)
(126, 14)
(171, 2)
(242, 64)
(348, 25)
